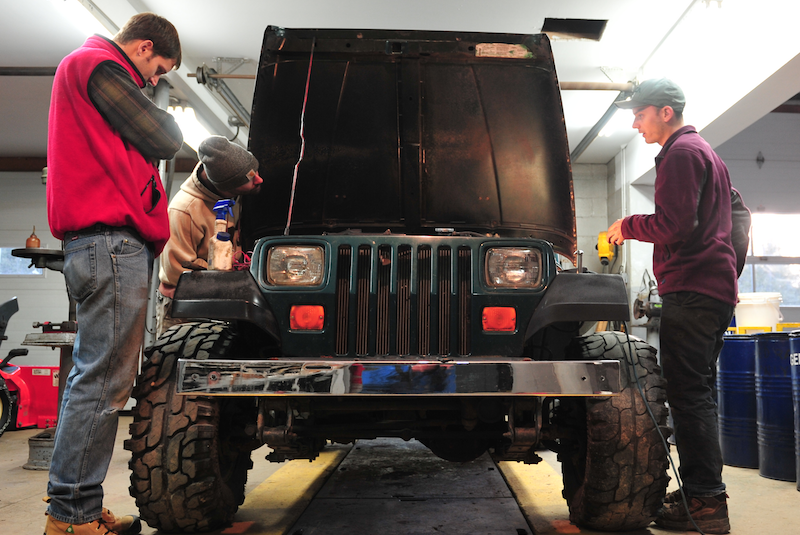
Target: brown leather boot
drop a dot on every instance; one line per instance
(710, 514)
(673, 497)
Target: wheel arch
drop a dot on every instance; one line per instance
(224, 295)
(579, 297)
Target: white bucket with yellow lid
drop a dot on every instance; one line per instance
(759, 309)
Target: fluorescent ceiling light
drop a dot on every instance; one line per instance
(80, 17)
(193, 131)
(621, 121)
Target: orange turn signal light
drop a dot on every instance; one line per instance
(307, 317)
(499, 319)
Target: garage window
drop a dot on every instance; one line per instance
(14, 266)
(773, 261)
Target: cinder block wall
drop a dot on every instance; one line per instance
(590, 184)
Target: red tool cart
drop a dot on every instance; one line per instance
(28, 394)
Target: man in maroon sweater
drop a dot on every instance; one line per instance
(699, 233)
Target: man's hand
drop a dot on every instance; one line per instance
(167, 290)
(614, 233)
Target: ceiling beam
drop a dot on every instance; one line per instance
(27, 71)
(768, 96)
(787, 108)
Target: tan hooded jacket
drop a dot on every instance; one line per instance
(191, 224)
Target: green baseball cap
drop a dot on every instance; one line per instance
(657, 92)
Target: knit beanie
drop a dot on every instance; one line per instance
(227, 164)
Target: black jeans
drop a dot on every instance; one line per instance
(692, 327)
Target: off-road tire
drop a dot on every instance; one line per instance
(615, 465)
(6, 406)
(189, 454)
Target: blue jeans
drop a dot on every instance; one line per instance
(107, 271)
(692, 327)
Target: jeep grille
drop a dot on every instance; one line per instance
(403, 300)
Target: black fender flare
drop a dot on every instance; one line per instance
(223, 295)
(581, 297)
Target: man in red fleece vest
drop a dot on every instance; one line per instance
(106, 202)
(699, 234)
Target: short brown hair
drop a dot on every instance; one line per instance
(152, 27)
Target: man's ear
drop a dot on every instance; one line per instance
(667, 113)
(144, 46)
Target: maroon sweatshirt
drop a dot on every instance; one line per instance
(691, 228)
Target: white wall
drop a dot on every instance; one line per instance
(591, 211)
(40, 299)
(772, 187)
(624, 199)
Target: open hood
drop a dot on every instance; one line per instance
(409, 132)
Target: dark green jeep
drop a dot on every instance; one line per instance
(412, 276)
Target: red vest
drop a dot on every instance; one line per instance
(93, 174)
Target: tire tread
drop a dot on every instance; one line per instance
(625, 472)
(175, 462)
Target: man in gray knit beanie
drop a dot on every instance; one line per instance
(227, 165)
(225, 171)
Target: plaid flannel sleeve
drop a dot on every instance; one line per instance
(147, 127)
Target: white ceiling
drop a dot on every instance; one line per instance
(33, 33)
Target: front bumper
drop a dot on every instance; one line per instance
(327, 377)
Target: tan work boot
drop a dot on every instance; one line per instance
(107, 524)
(57, 527)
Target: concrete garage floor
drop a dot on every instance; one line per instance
(21, 491)
(390, 487)
(409, 490)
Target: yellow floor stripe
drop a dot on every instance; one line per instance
(276, 504)
(537, 488)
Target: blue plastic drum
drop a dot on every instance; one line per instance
(776, 448)
(736, 401)
(794, 362)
